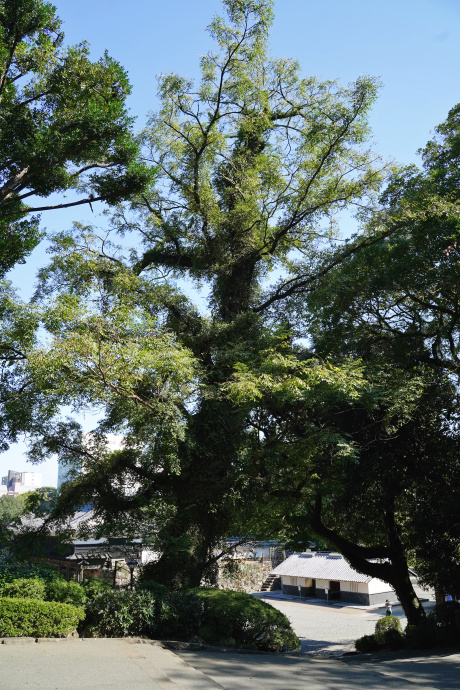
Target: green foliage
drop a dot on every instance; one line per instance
(389, 633)
(10, 571)
(394, 639)
(12, 508)
(236, 619)
(446, 617)
(393, 306)
(63, 122)
(64, 129)
(26, 588)
(387, 623)
(179, 615)
(120, 613)
(422, 636)
(66, 592)
(153, 611)
(94, 585)
(218, 616)
(158, 590)
(32, 618)
(368, 643)
(217, 408)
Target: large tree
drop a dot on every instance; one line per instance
(64, 128)
(395, 308)
(252, 166)
(63, 124)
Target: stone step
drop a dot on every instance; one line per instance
(272, 582)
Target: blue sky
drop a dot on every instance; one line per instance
(412, 45)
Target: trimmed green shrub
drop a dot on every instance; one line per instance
(66, 592)
(236, 619)
(178, 615)
(33, 618)
(385, 624)
(25, 588)
(393, 639)
(218, 616)
(421, 636)
(116, 613)
(367, 643)
(388, 634)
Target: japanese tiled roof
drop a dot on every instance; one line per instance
(319, 566)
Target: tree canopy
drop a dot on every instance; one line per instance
(292, 396)
(64, 128)
(251, 167)
(63, 125)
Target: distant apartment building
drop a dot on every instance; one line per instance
(21, 482)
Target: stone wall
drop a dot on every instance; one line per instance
(243, 577)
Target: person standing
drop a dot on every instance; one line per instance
(389, 608)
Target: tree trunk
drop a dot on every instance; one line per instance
(393, 570)
(401, 580)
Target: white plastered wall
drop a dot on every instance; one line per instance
(377, 586)
(361, 587)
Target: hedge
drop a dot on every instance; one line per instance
(219, 617)
(236, 619)
(34, 618)
(367, 643)
(115, 613)
(25, 588)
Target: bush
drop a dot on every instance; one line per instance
(421, 636)
(120, 613)
(95, 585)
(65, 592)
(393, 639)
(115, 613)
(384, 625)
(444, 615)
(159, 590)
(179, 615)
(25, 588)
(367, 643)
(446, 618)
(10, 571)
(33, 618)
(239, 620)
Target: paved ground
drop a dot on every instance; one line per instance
(324, 629)
(330, 629)
(233, 672)
(111, 664)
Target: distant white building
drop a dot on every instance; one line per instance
(329, 576)
(21, 482)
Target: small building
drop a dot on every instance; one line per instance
(88, 556)
(329, 576)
